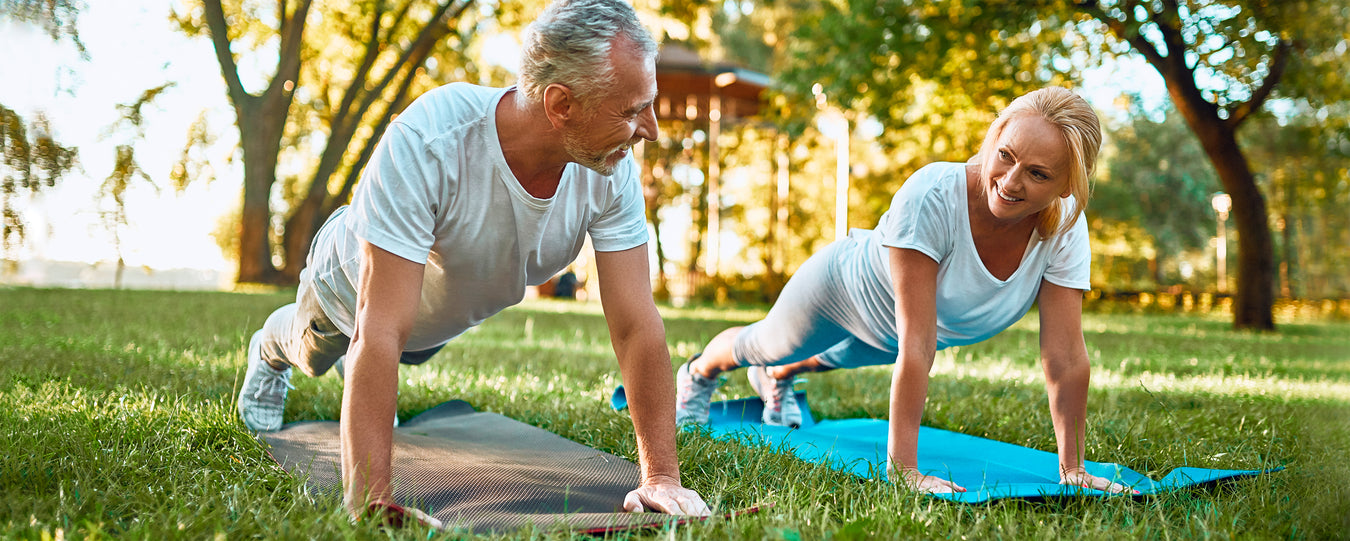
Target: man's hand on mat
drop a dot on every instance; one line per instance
(927, 483)
(665, 495)
(397, 516)
(1079, 477)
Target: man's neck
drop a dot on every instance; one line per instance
(532, 148)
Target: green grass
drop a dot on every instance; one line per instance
(117, 419)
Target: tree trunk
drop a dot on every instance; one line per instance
(261, 119)
(255, 223)
(1254, 300)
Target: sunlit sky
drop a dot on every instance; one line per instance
(133, 47)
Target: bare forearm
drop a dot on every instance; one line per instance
(369, 402)
(1067, 389)
(645, 364)
(909, 391)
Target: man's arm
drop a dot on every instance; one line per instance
(914, 276)
(387, 298)
(639, 339)
(1065, 361)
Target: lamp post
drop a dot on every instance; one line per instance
(1222, 203)
(835, 126)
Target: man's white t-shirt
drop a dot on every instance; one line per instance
(438, 191)
(929, 214)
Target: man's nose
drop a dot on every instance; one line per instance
(647, 128)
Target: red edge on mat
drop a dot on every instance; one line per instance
(606, 530)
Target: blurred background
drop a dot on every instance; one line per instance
(199, 144)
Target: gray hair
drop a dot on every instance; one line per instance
(569, 44)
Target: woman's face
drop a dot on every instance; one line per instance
(1027, 169)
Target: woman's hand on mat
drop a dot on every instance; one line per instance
(1079, 477)
(926, 483)
(665, 495)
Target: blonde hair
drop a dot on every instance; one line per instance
(1082, 133)
(569, 44)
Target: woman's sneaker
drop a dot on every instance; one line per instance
(780, 403)
(693, 395)
(262, 400)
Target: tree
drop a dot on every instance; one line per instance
(1245, 47)
(131, 126)
(59, 18)
(31, 165)
(1157, 177)
(1222, 61)
(1302, 159)
(350, 71)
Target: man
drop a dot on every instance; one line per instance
(472, 194)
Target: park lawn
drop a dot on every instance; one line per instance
(117, 418)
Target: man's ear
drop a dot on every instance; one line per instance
(559, 105)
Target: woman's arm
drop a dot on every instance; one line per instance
(914, 276)
(1065, 361)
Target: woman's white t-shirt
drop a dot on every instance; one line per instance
(929, 214)
(438, 191)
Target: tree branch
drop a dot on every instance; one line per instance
(1118, 27)
(1169, 25)
(220, 40)
(358, 83)
(418, 52)
(435, 29)
(288, 61)
(1242, 111)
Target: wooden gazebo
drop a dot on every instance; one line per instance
(691, 89)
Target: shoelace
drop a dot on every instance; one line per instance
(273, 383)
(688, 393)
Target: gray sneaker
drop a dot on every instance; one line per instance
(262, 400)
(780, 403)
(693, 395)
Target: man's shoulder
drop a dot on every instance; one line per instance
(448, 106)
(470, 95)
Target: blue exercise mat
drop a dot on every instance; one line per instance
(988, 469)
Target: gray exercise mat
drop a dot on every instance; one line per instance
(481, 472)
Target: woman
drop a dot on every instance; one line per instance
(963, 252)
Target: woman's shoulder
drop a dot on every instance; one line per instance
(943, 179)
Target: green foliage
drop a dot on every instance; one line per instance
(343, 70)
(29, 166)
(130, 127)
(58, 18)
(1303, 159)
(935, 70)
(1155, 176)
(1229, 44)
(31, 163)
(115, 424)
(192, 164)
(932, 74)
